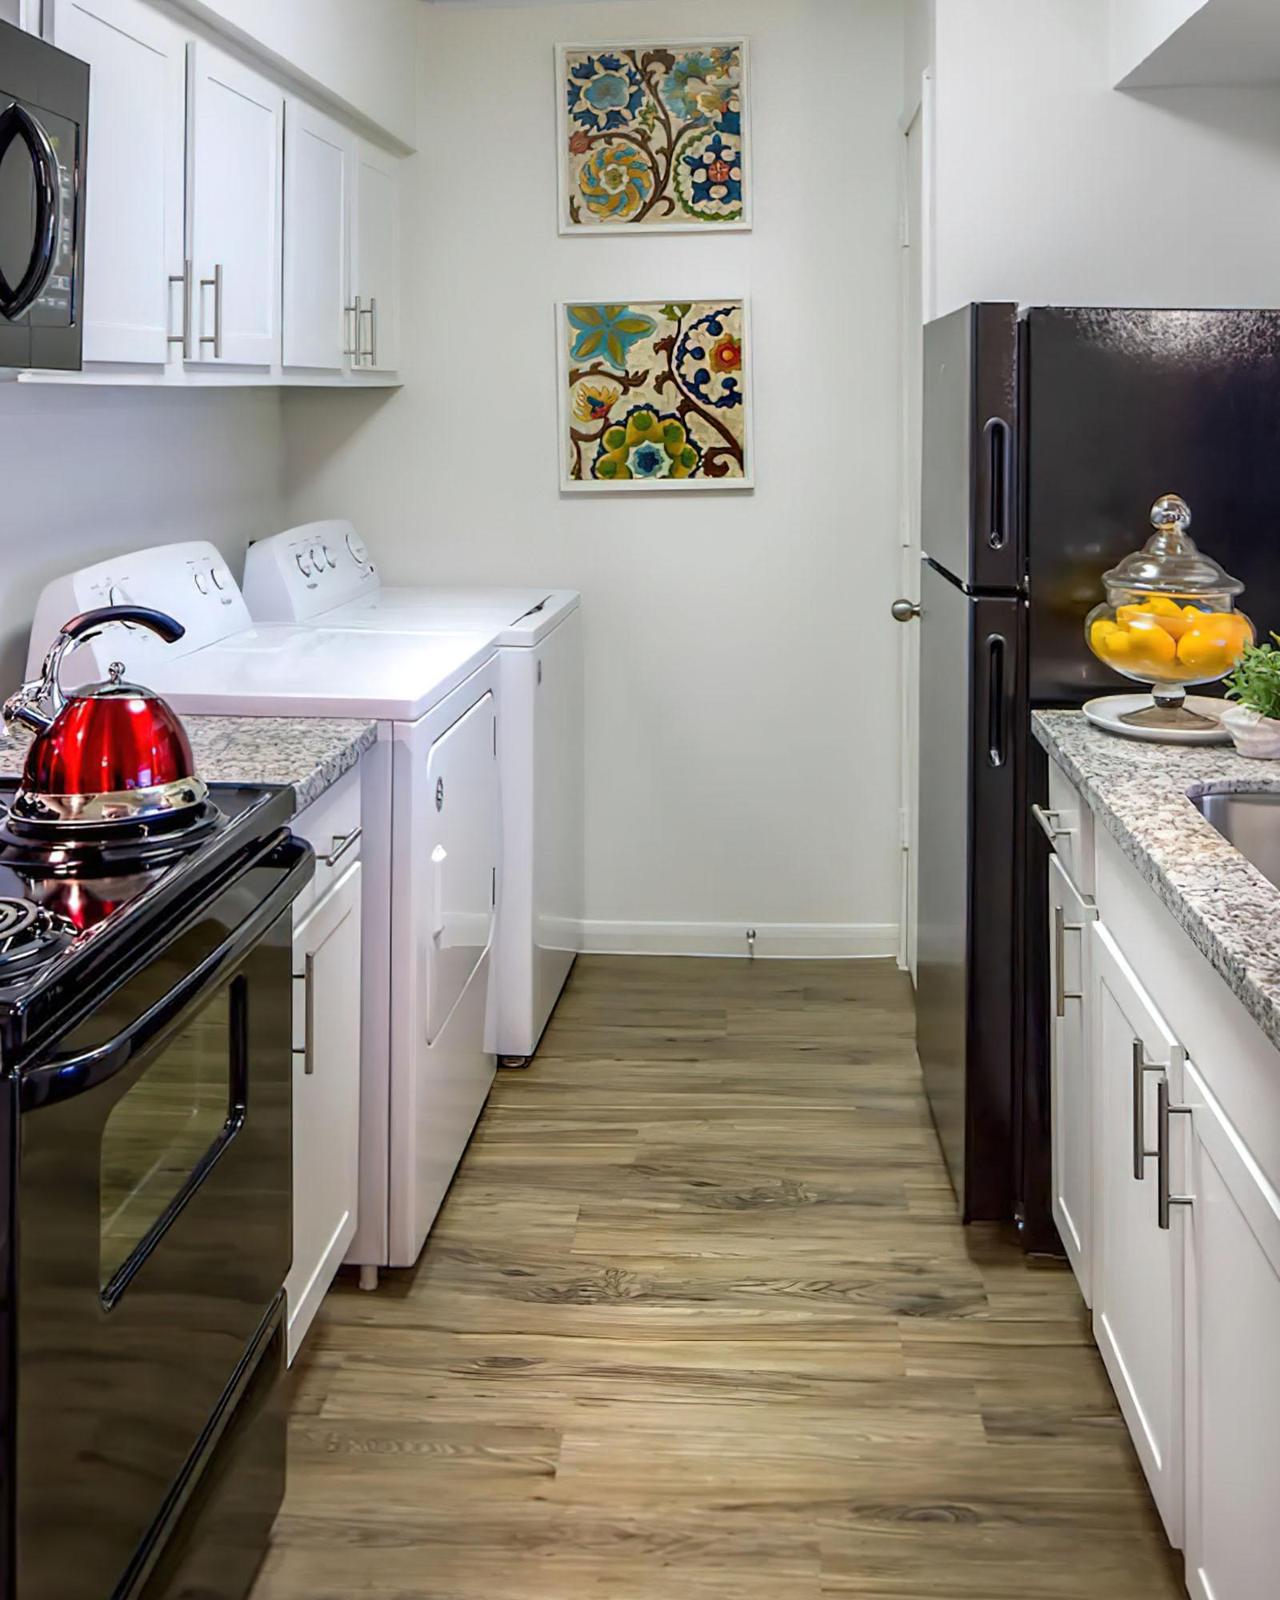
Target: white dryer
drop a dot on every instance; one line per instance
(431, 847)
(322, 573)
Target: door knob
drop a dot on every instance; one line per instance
(904, 610)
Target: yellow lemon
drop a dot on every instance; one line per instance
(1100, 632)
(1163, 606)
(1211, 650)
(1151, 644)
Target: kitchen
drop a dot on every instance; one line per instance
(698, 1306)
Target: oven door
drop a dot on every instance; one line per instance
(154, 1228)
(44, 99)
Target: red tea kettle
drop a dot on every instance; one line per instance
(106, 753)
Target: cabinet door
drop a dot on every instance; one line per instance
(375, 269)
(1070, 1083)
(317, 331)
(235, 118)
(134, 188)
(1137, 1268)
(1232, 1241)
(326, 1096)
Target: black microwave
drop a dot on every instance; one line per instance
(44, 117)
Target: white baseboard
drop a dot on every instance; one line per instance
(787, 940)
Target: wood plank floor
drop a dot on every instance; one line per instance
(698, 1320)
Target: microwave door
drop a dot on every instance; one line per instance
(30, 206)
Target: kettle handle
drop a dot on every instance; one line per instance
(37, 703)
(169, 628)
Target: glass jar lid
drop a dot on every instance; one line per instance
(1169, 562)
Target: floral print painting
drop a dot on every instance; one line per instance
(654, 394)
(652, 136)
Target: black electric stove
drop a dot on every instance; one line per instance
(145, 1200)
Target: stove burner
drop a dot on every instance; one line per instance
(62, 848)
(26, 933)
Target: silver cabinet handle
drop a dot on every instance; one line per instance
(340, 844)
(1141, 1066)
(214, 338)
(1048, 820)
(185, 279)
(904, 610)
(307, 978)
(370, 311)
(1061, 928)
(353, 312)
(1165, 1200)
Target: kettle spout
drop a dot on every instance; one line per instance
(24, 706)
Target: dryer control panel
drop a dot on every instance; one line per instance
(299, 574)
(190, 581)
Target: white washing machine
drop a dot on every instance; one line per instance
(322, 573)
(431, 841)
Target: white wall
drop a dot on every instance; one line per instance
(742, 710)
(1051, 186)
(1137, 27)
(360, 51)
(90, 471)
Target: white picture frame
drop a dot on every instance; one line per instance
(588, 484)
(567, 226)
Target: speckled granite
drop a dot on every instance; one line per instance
(307, 754)
(1141, 794)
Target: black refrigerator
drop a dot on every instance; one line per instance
(1048, 433)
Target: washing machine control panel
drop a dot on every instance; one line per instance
(303, 572)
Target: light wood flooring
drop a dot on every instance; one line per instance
(698, 1320)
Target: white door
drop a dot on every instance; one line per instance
(1070, 1085)
(317, 330)
(134, 288)
(1232, 1241)
(912, 344)
(1137, 1272)
(375, 264)
(462, 787)
(235, 120)
(326, 1096)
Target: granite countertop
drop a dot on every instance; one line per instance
(1140, 792)
(307, 754)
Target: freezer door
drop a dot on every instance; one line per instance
(968, 512)
(971, 752)
(1123, 406)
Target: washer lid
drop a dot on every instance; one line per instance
(515, 617)
(291, 670)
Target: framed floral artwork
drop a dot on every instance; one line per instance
(654, 136)
(655, 394)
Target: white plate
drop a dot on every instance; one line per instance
(1107, 711)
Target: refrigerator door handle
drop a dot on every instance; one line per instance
(999, 439)
(997, 718)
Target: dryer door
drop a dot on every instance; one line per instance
(462, 790)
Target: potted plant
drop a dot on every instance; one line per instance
(1254, 721)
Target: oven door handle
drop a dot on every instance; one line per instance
(63, 1078)
(16, 122)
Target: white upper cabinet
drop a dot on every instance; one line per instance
(319, 331)
(375, 259)
(235, 120)
(134, 222)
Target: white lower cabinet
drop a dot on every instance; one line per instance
(1232, 1249)
(1137, 1264)
(326, 1066)
(1070, 1079)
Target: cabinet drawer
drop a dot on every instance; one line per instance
(331, 826)
(1069, 823)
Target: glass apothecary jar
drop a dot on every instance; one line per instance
(1169, 619)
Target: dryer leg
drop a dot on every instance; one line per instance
(368, 1277)
(514, 1061)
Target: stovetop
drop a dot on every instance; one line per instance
(68, 913)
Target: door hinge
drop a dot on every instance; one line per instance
(493, 886)
(904, 828)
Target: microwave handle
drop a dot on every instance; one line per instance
(16, 122)
(65, 1077)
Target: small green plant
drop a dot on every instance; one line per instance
(1255, 682)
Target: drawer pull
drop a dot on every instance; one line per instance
(1141, 1066)
(1164, 1200)
(308, 981)
(1048, 820)
(1061, 928)
(339, 845)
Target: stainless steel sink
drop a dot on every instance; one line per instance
(1251, 822)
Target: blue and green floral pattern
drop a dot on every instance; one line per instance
(656, 393)
(654, 136)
